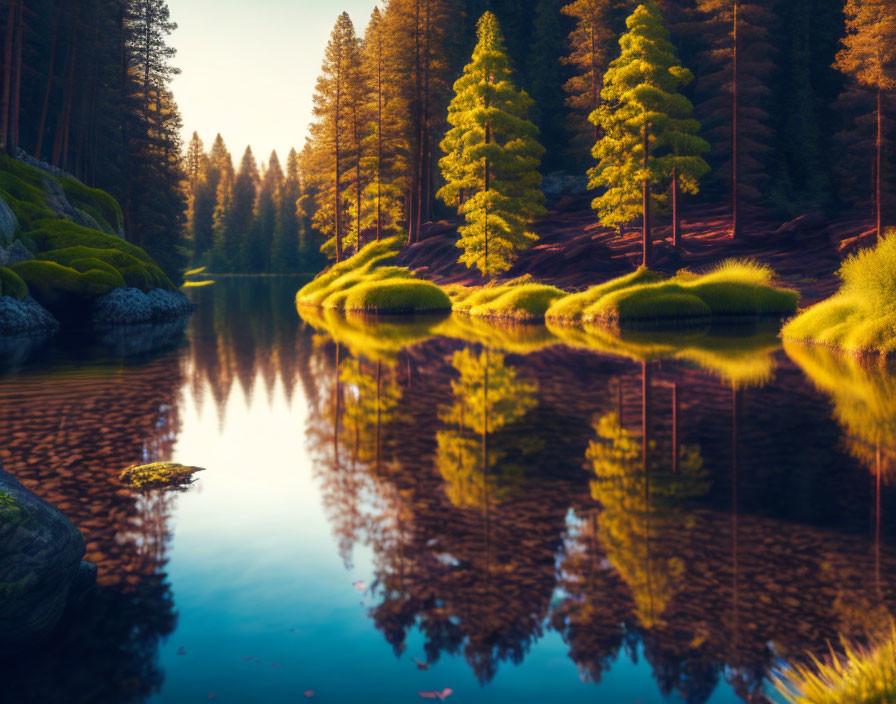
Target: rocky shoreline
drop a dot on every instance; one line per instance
(121, 307)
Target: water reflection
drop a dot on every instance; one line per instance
(696, 502)
(694, 536)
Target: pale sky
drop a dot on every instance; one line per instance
(249, 68)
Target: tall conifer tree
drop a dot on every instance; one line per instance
(650, 136)
(331, 133)
(385, 152)
(869, 56)
(492, 157)
(591, 45)
(734, 95)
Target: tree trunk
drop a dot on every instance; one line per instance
(337, 205)
(676, 224)
(15, 99)
(59, 143)
(675, 427)
(7, 74)
(42, 125)
(735, 224)
(488, 135)
(879, 148)
(595, 93)
(379, 140)
(645, 235)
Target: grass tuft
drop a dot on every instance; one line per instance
(571, 308)
(525, 303)
(857, 676)
(861, 317)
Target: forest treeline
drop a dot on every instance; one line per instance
(788, 107)
(86, 88)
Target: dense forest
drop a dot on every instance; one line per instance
(86, 88)
(783, 105)
(788, 109)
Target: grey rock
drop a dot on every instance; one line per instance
(168, 304)
(9, 224)
(40, 560)
(24, 317)
(123, 306)
(17, 252)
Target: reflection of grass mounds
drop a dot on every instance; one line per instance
(160, 475)
(365, 284)
(571, 308)
(377, 340)
(742, 360)
(858, 676)
(733, 289)
(861, 317)
(864, 397)
(520, 300)
(12, 285)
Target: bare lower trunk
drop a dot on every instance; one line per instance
(880, 140)
(7, 74)
(15, 98)
(42, 125)
(676, 223)
(735, 224)
(645, 186)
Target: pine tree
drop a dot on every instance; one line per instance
(545, 76)
(285, 254)
(734, 95)
(385, 160)
(331, 132)
(239, 234)
(591, 45)
(869, 56)
(258, 257)
(650, 136)
(492, 157)
(423, 42)
(193, 160)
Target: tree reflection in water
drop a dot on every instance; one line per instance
(678, 545)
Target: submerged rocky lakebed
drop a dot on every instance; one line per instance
(511, 514)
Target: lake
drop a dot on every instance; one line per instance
(514, 514)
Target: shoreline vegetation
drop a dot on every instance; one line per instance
(65, 259)
(860, 675)
(860, 319)
(735, 290)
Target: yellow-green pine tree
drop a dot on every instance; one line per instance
(492, 157)
(649, 131)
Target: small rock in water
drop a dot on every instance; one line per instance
(160, 475)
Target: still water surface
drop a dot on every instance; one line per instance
(515, 516)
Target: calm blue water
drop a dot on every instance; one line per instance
(345, 545)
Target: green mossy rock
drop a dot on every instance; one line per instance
(99, 205)
(135, 272)
(11, 284)
(160, 475)
(60, 288)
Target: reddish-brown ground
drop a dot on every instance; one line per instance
(574, 251)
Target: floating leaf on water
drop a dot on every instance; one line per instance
(309, 693)
(360, 585)
(159, 475)
(420, 664)
(443, 695)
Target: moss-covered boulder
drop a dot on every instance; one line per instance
(11, 284)
(40, 564)
(65, 290)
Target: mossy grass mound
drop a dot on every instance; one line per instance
(99, 205)
(366, 283)
(860, 675)
(136, 273)
(396, 296)
(159, 475)
(735, 289)
(861, 317)
(12, 285)
(64, 289)
(524, 303)
(571, 308)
